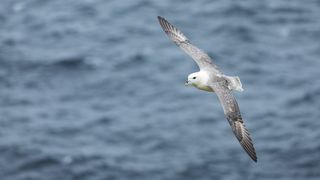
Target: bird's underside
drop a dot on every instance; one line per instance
(221, 84)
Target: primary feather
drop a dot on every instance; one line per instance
(201, 58)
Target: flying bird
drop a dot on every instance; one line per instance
(211, 79)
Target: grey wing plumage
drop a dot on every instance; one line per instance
(201, 58)
(233, 115)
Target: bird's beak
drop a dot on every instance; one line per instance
(187, 83)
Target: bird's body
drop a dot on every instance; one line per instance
(211, 79)
(204, 80)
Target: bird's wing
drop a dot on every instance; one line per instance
(233, 115)
(200, 57)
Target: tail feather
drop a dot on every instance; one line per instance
(234, 83)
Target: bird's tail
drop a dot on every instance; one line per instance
(234, 83)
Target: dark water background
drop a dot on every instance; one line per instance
(94, 90)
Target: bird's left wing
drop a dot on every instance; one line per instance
(233, 115)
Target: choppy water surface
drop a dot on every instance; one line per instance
(94, 89)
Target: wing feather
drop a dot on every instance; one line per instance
(201, 58)
(233, 115)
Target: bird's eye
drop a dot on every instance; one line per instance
(194, 78)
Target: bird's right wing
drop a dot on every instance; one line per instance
(233, 115)
(201, 58)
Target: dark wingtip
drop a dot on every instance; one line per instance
(162, 20)
(254, 157)
(255, 160)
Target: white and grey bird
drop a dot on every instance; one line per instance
(211, 79)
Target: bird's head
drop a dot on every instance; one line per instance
(196, 79)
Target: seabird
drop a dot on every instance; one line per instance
(211, 79)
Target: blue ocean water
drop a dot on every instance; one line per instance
(94, 90)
